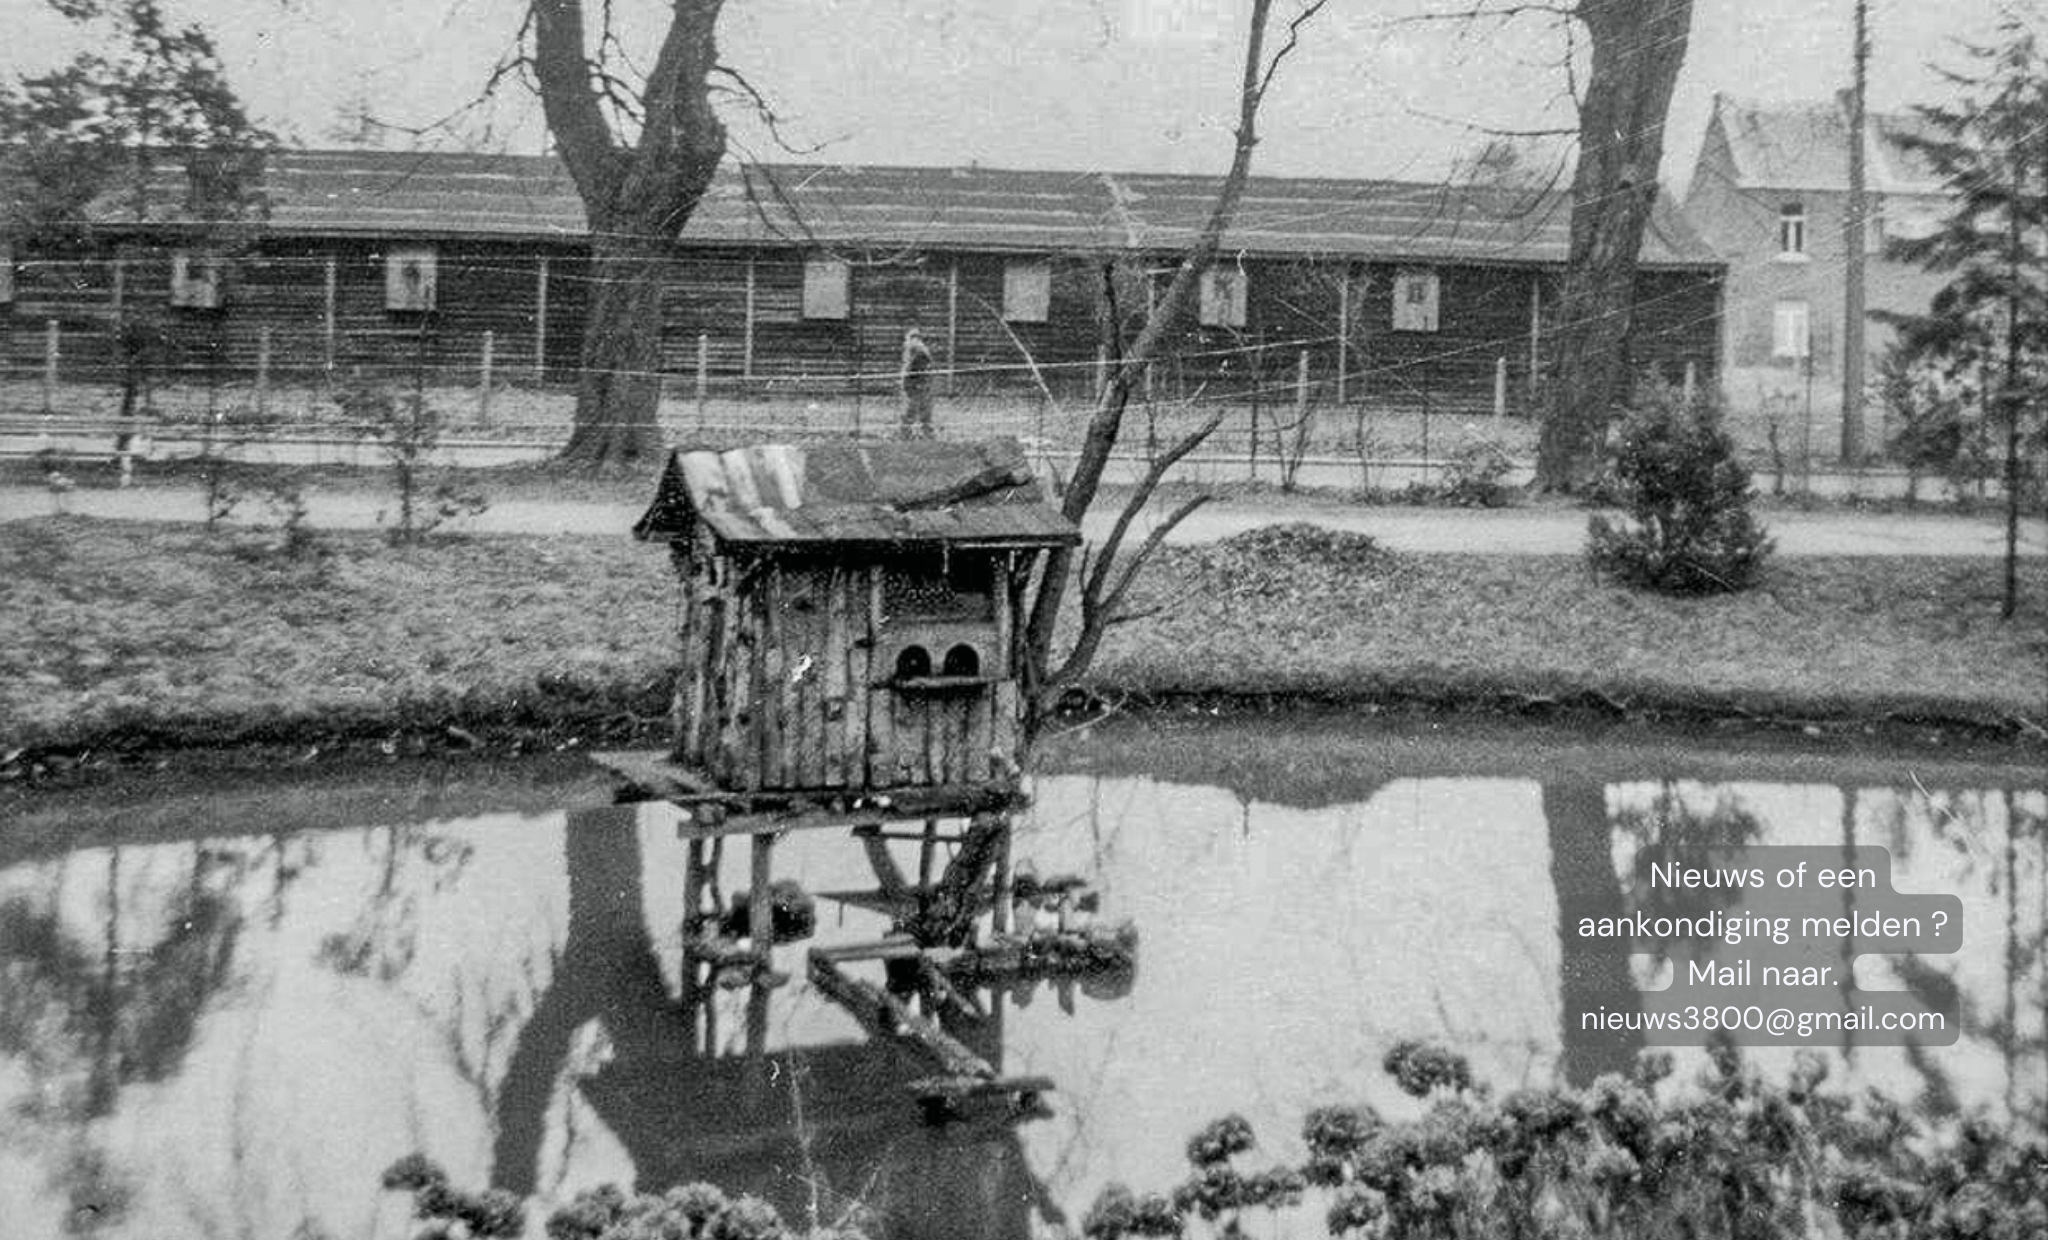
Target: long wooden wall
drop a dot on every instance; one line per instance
(315, 308)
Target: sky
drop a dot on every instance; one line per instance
(1084, 84)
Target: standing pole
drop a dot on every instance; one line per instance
(747, 340)
(1343, 333)
(327, 321)
(263, 371)
(540, 322)
(953, 328)
(484, 384)
(51, 333)
(1854, 239)
(703, 377)
(1500, 387)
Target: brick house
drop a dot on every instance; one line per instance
(1770, 194)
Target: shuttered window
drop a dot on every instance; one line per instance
(195, 280)
(1223, 297)
(1027, 291)
(827, 285)
(410, 277)
(1416, 295)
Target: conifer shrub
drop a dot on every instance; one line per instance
(1688, 528)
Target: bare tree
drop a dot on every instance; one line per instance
(641, 158)
(1105, 573)
(1637, 48)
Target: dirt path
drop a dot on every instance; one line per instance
(1522, 531)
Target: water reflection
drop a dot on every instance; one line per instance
(227, 1020)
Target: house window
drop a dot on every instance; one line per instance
(1791, 331)
(1792, 230)
(195, 280)
(826, 285)
(1416, 295)
(1027, 291)
(409, 276)
(1223, 291)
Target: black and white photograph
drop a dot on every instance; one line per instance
(1076, 620)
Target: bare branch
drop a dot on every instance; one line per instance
(1092, 589)
(1504, 13)
(1136, 562)
(1293, 38)
(765, 112)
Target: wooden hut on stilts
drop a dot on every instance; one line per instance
(851, 631)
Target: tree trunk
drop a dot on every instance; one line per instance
(1637, 50)
(619, 394)
(638, 196)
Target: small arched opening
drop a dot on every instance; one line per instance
(913, 662)
(961, 660)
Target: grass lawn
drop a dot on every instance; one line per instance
(169, 635)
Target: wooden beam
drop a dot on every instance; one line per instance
(885, 1016)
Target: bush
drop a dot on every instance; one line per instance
(1689, 528)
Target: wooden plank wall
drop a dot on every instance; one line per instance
(776, 690)
(955, 300)
(281, 290)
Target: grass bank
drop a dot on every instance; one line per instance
(165, 636)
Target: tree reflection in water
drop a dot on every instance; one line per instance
(88, 1019)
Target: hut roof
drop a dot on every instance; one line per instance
(436, 195)
(884, 493)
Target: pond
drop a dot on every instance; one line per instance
(229, 1003)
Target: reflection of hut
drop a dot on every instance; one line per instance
(851, 612)
(825, 1113)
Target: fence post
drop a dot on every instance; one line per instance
(327, 321)
(483, 396)
(540, 322)
(1692, 381)
(703, 376)
(50, 334)
(1500, 387)
(263, 371)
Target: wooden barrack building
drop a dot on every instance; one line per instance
(804, 277)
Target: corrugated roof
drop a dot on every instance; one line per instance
(382, 193)
(883, 492)
(1806, 146)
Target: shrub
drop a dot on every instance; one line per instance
(1689, 529)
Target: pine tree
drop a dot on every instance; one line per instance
(1990, 149)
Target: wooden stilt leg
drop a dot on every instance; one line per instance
(693, 921)
(927, 851)
(1005, 882)
(760, 905)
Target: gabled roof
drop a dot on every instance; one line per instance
(513, 197)
(1806, 146)
(879, 493)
